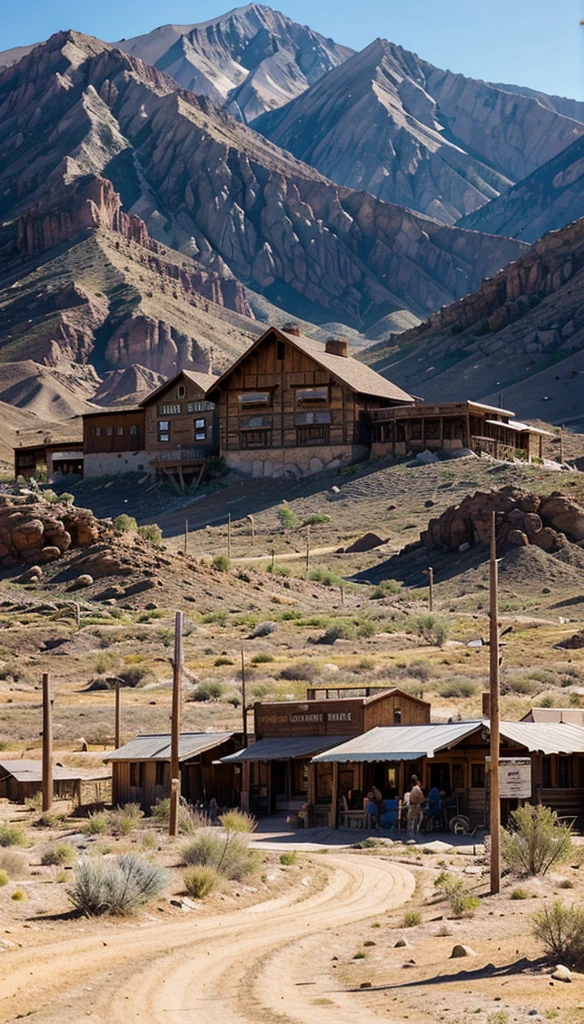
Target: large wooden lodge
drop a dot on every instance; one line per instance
(289, 406)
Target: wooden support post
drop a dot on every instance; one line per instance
(495, 805)
(175, 727)
(307, 548)
(243, 698)
(334, 796)
(561, 452)
(186, 536)
(342, 589)
(47, 745)
(229, 536)
(273, 557)
(118, 717)
(252, 521)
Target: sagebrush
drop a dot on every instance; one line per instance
(121, 886)
(535, 841)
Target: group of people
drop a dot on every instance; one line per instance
(417, 807)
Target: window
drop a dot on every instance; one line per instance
(280, 351)
(136, 773)
(170, 410)
(109, 431)
(181, 391)
(546, 773)
(160, 773)
(255, 438)
(397, 716)
(312, 395)
(254, 398)
(163, 430)
(133, 429)
(200, 430)
(312, 435)
(305, 418)
(97, 431)
(120, 431)
(477, 775)
(565, 773)
(200, 407)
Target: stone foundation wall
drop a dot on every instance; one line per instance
(112, 463)
(293, 462)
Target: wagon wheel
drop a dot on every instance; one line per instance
(460, 825)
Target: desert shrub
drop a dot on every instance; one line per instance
(17, 896)
(411, 918)
(58, 855)
(264, 629)
(291, 614)
(124, 523)
(51, 496)
(462, 903)
(4, 877)
(219, 662)
(289, 858)
(105, 661)
(434, 629)
(188, 820)
(278, 570)
(519, 894)
(385, 588)
(315, 518)
(330, 579)
(226, 852)
(221, 563)
(521, 685)
(151, 532)
(561, 929)
(133, 675)
(34, 802)
(68, 498)
(126, 819)
(262, 659)
(13, 863)
(306, 671)
(120, 886)
(200, 880)
(420, 669)
(536, 841)
(50, 819)
(211, 690)
(238, 821)
(341, 629)
(288, 521)
(458, 688)
(12, 835)
(96, 824)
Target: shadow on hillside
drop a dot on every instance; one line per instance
(408, 567)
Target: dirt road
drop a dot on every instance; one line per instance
(244, 967)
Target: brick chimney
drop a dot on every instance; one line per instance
(292, 329)
(337, 347)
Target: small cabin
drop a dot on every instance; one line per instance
(53, 460)
(291, 406)
(180, 426)
(21, 780)
(277, 770)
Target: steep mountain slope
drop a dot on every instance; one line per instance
(203, 204)
(440, 143)
(561, 104)
(252, 59)
(544, 201)
(518, 341)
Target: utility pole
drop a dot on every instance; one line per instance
(175, 726)
(117, 729)
(252, 521)
(429, 572)
(229, 536)
(495, 804)
(307, 547)
(47, 745)
(243, 698)
(186, 536)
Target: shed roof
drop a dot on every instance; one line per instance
(359, 377)
(409, 742)
(156, 747)
(571, 716)
(521, 428)
(280, 748)
(32, 771)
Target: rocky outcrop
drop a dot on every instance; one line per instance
(523, 518)
(43, 532)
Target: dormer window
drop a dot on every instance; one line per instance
(181, 391)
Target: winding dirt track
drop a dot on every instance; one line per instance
(250, 966)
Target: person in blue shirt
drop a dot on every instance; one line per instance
(435, 806)
(389, 811)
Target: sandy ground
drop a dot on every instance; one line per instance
(244, 966)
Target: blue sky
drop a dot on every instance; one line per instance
(528, 42)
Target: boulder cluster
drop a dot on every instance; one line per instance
(523, 518)
(42, 532)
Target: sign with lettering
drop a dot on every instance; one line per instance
(514, 778)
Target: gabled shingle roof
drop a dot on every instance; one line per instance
(204, 380)
(360, 378)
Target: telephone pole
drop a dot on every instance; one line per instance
(495, 804)
(175, 726)
(118, 716)
(47, 745)
(243, 698)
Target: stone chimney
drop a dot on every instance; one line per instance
(487, 704)
(337, 347)
(292, 329)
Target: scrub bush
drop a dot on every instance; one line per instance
(125, 523)
(12, 835)
(227, 852)
(125, 819)
(200, 881)
(561, 929)
(58, 855)
(119, 887)
(536, 841)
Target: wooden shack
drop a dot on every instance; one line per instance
(181, 426)
(21, 780)
(141, 769)
(278, 774)
(448, 426)
(53, 459)
(453, 758)
(292, 406)
(113, 442)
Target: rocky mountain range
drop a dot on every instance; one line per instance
(136, 215)
(517, 342)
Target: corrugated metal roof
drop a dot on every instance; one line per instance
(280, 748)
(546, 737)
(32, 771)
(157, 747)
(520, 427)
(400, 742)
(572, 716)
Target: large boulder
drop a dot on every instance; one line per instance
(564, 514)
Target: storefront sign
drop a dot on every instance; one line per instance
(329, 716)
(514, 778)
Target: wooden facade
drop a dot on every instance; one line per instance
(113, 431)
(53, 459)
(453, 425)
(181, 429)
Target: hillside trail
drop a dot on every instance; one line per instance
(242, 967)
